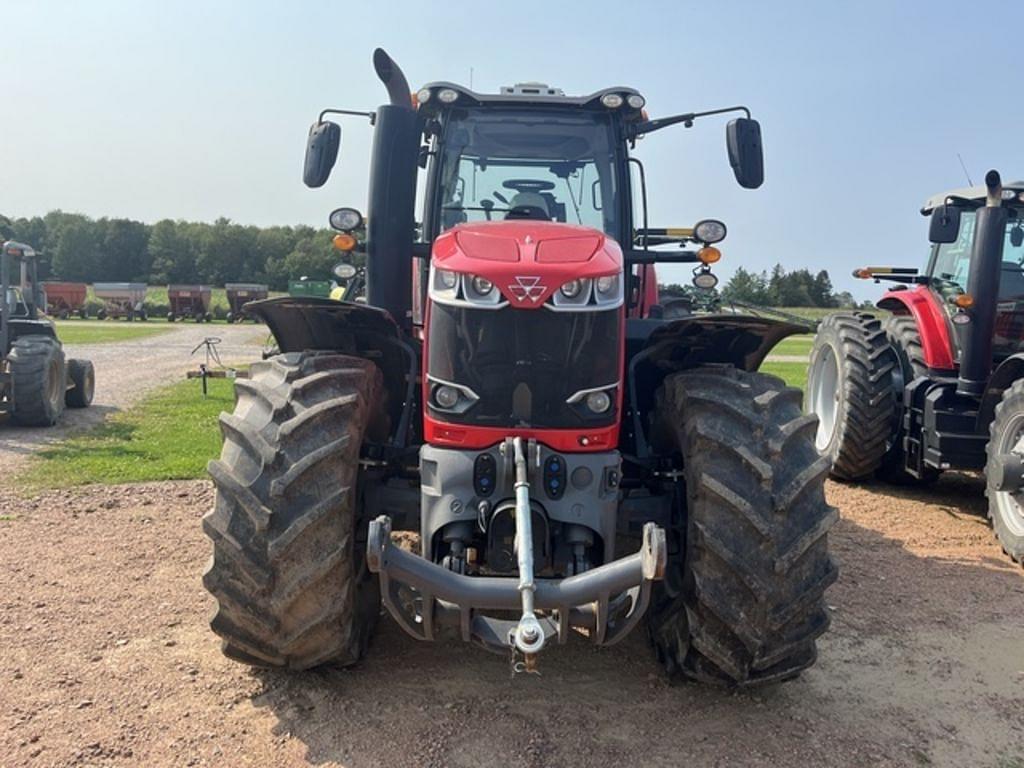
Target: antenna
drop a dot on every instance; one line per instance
(471, 78)
(969, 182)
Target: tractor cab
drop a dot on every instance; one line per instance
(21, 295)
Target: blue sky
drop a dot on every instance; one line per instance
(196, 110)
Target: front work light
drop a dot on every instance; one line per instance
(709, 255)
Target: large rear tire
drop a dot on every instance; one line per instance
(743, 599)
(850, 389)
(1006, 435)
(288, 570)
(38, 380)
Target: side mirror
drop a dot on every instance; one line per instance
(743, 140)
(945, 224)
(321, 153)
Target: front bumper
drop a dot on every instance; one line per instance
(433, 603)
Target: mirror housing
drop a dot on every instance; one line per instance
(321, 152)
(945, 224)
(743, 140)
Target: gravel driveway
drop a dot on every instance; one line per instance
(106, 659)
(127, 370)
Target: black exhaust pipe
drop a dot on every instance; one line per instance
(390, 225)
(983, 286)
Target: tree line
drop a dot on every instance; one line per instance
(78, 248)
(799, 288)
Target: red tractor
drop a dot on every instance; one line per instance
(939, 384)
(511, 391)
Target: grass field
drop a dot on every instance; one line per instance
(169, 436)
(794, 374)
(794, 345)
(79, 332)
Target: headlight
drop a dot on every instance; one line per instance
(598, 402)
(447, 279)
(446, 396)
(709, 231)
(705, 280)
(572, 289)
(612, 100)
(345, 219)
(636, 101)
(423, 95)
(607, 284)
(448, 95)
(482, 285)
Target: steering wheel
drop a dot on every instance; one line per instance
(527, 212)
(528, 185)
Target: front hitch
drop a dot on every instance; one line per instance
(433, 603)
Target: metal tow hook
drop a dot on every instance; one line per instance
(528, 636)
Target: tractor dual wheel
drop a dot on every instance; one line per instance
(742, 603)
(38, 380)
(905, 340)
(82, 377)
(288, 570)
(850, 387)
(1006, 507)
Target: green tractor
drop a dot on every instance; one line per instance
(36, 380)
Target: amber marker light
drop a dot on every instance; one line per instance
(343, 241)
(964, 301)
(709, 254)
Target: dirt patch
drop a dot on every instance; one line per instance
(106, 659)
(125, 372)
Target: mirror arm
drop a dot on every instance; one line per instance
(650, 126)
(371, 115)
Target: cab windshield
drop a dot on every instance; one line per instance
(499, 164)
(952, 260)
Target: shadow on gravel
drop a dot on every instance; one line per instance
(22, 441)
(961, 491)
(921, 651)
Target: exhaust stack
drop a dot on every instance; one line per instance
(983, 285)
(392, 196)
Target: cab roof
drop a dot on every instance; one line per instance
(1011, 189)
(530, 94)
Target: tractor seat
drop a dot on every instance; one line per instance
(1011, 281)
(531, 205)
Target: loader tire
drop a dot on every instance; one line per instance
(905, 340)
(850, 389)
(742, 603)
(83, 384)
(1006, 508)
(288, 570)
(38, 380)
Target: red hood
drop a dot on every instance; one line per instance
(527, 260)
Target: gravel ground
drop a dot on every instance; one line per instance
(106, 659)
(125, 371)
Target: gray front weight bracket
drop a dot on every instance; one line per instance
(432, 603)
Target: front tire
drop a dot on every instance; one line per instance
(289, 576)
(38, 380)
(850, 389)
(83, 380)
(1006, 508)
(743, 599)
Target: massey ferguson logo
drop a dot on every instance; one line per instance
(527, 288)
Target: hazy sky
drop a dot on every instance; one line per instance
(196, 110)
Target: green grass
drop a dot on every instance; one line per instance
(78, 332)
(794, 345)
(169, 436)
(794, 374)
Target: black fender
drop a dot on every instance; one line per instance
(1008, 371)
(359, 330)
(658, 349)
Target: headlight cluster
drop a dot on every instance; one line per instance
(583, 293)
(594, 402)
(448, 287)
(451, 398)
